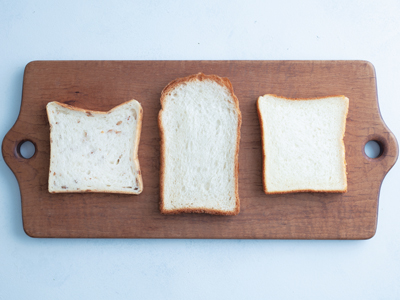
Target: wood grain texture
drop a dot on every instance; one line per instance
(101, 85)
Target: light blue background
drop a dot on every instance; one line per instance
(199, 269)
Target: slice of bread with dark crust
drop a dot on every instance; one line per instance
(199, 124)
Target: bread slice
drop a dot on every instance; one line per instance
(200, 131)
(303, 145)
(92, 151)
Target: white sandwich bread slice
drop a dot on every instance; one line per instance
(302, 140)
(199, 123)
(93, 151)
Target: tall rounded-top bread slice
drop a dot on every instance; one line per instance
(93, 151)
(199, 124)
(302, 143)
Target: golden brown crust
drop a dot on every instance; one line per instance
(265, 157)
(165, 92)
(307, 191)
(94, 191)
(89, 110)
(344, 148)
(135, 151)
(264, 179)
(296, 99)
(201, 211)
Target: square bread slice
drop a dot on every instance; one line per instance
(302, 140)
(200, 131)
(92, 151)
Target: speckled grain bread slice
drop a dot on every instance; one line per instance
(94, 151)
(200, 131)
(303, 146)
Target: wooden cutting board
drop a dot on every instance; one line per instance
(101, 85)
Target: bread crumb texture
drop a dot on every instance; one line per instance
(303, 143)
(94, 151)
(200, 123)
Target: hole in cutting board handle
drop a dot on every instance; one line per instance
(26, 149)
(373, 149)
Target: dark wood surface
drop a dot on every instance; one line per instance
(101, 85)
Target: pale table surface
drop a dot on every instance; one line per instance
(199, 269)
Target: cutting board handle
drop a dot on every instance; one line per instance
(389, 148)
(12, 142)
